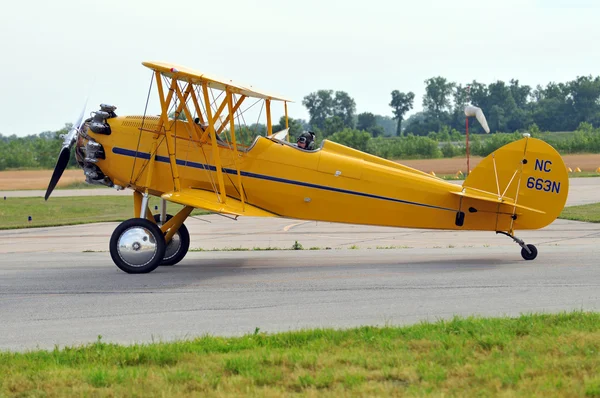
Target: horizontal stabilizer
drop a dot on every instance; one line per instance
(490, 197)
(208, 200)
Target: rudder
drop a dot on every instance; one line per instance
(528, 173)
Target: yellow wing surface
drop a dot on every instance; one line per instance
(208, 200)
(528, 175)
(179, 72)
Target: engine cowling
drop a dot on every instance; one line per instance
(88, 151)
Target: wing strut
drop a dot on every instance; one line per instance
(222, 194)
(164, 117)
(235, 150)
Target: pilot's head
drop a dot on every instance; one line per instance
(306, 140)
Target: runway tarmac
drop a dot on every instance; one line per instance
(59, 285)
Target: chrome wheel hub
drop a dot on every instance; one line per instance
(137, 246)
(173, 246)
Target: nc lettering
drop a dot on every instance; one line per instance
(543, 165)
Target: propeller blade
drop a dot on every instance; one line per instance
(65, 152)
(61, 165)
(79, 121)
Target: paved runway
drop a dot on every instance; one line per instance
(73, 298)
(59, 285)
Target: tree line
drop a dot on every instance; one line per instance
(436, 131)
(41, 151)
(508, 107)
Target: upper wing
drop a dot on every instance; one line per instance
(208, 200)
(189, 75)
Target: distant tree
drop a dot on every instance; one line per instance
(437, 95)
(366, 120)
(421, 123)
(333, 124)
(497, 118)
(295, 126)
(344, 107)
(460, 97)
(401, 103)
(325, 103)
(585, 92)
(388, 124)
(553, 109)
(319, 105)
(353, 138)
(479, 95)
(519, 93)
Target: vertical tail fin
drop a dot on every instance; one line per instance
(527, 173)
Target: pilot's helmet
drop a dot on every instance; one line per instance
(306, 140)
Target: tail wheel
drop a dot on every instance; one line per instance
(178, 247)
(529, 256)
(137, 246)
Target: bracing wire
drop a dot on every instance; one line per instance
(201, 102)
(210, 176)
(142, 126)
(214, 102)
(257, 120)
(151, 155)
(233, 163)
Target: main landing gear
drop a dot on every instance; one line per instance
(528, 251)
(139, 245)
(178, 247)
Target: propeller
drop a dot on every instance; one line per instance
(65, 152)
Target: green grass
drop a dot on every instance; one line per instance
(71, 210)
(82, 185)
(532, 355)
(588, 213)
(295, 246)
(584, 174)
(571, 175)
(556, 135)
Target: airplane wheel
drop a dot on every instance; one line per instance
(529, 256)
(137, 246)
(178, 246)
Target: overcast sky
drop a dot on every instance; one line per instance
(54, 54)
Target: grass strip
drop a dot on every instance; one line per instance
(531, 355)
(14, 212)
(587, 213)
(581, 174)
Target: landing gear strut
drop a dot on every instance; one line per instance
(139, 245)
(528, 251)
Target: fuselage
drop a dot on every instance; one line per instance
(333, 183)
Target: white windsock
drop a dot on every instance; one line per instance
(471, 110)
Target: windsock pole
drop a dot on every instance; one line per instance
(471, 110)
(467, 124)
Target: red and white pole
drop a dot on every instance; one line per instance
(468, 166)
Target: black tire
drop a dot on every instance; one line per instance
(173, 257)
(529, 256)
(137, 246)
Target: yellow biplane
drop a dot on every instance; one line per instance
(198, 162)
